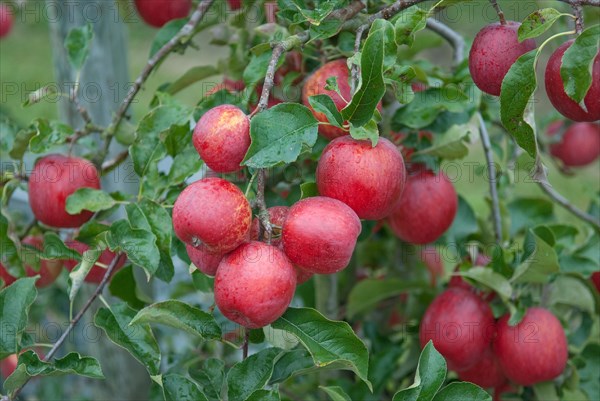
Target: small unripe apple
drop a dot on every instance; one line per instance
(426, 209)
(5, 276)
(368, 179)
(157, 13)
(213, 212)
(556, 91)
(53, 179)
(254, 284)
(97, 272)
(205, 261)
(460, 324)
(533, 351)
(49, 268)
(579, 145)
(222, 138)
(277, 216)
(6, 20)
(8, 365)
(495, 49)
(319, 234)
(486, 373)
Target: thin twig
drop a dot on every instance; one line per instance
(564, 202)
(263, 213)
(593, 3)
(489, 156)
(111, 164)
(499, 12)
(246, 343)
(452, 37)
(278, 50)
(76, 319)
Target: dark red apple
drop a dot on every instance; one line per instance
(495, 49)
(254, 284)
(49, 268)
(461, 325)
(319, 234)
(97, 272)
(213, 212)
(277, 216)
(235, 4)
(302, 276)
(6, 20)
(8, 365)
(579, 144)
(222, 138)
(432, 259)
(486, 372)
(52, 180)
(156, 13)
(533, 351)
(556, 91)
(368, 179)
(5, 276)
(205, 261)
(596, 280)
(426, 209)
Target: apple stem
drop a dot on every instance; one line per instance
(499, 12)
(246, 342)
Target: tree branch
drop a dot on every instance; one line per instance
(564, 202)
(489, 156)
(578, 10)
(77, 318)
(111, 164)
(452, 37)
(263, 213)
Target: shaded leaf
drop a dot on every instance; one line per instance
(430, 375)
(251, 374)
(180, 388)
(77, 43)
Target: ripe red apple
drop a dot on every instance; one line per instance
(97, 272)
(158, 12)
(319, 234)
(254, 284)
(8, 365)
(556, 91)
(596, 280)
(205, 261)
(52, 180)
(533, 351)
(432, 259)
(235, 4)
(368, 179)
(277, 216)
(460, 325)
(6, 20)
(213, 212)
(486, 372)
(495, 49)
(315, 85)
(5, 276)
(579, 145)
(302, 276)
(49, 268)
(426, 209)
(222, 138)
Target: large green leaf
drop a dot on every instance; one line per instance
(209, 373)
(490, 279)
(431, 373)
(185, 164)
(408, 23)
(291, 363)
(139, 245)
(428, 105)
(462, 391)
(124, 286)
(336, 393)
(252, 374)
(138, 339)
(538, 22)
(528, 212)
(180, 388)
(576, 68)
(324, 104)
(165, 34)
(55, 248)
(77, 43)
(328, 341)
(572, 291)
(15, 301)
(541, 262)
(279, 133)
(180, 316)
(90, 199)
(366, 294)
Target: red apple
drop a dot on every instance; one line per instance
(302, 276)
(6, 20)
(213, 212)
(49, 268)
(495, 49)
(271, 9)
(205, 261)
(5, 276)
(277, 216)
(533, 351)
(254, 284)
(460, 325)
(426, 209)
(556, 91)
(222, 138)
(486, 372)
(319, 234)
(368, 179)
(158, 12)
(52, 180)
(433, 261)
(235, 4)
(97, 272)
(596, 280)
(8, 365)
(578, 146)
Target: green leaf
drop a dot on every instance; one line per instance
(191, 76)
(264, 395)
(308, 189)
(15, 301)
(576, 68)
(279, 133)
(123, 285)
(30, 365)
(589, 374)
(209, 373)
(336, 393)
(367, 293)
(55, 248)
(538, 22)
(490, 279)
(518, 86)
(185, 164)
(431, 373)
(370, 131)
(90, 199)
(48, 135)
(327, 341)
(138, 340)
(324, 104)
(180, 316)
(79, 273)
(256, 69)
(252, 374)
(452, 144)
(139, 245)
(372, 86)
(165, 34)
(78, 43)
(180, 388)
(293, 362)
(542, 261)
(528, 212)
(428, 105)
(462, 391)
(572, 291)
(545, 391)
(408, 23)
(8, 250)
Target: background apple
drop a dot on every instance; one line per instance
(49, 269)
(205, 261)
(486, 373)
(6, 20)
(158, 12)
(5, 276)
(579, 145)
(8, 365)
